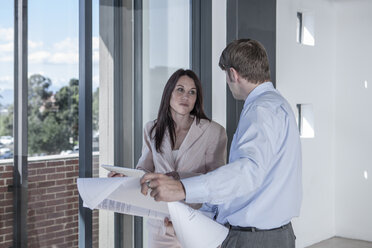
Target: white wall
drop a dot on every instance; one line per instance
(337, 168)
(353, 119)
(304, 75)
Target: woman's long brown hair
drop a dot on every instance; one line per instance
(165, 120)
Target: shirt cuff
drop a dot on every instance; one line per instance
(195, 189)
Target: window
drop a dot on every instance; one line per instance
(166, 48)
(53, 85)
(6, 121)
(53, 122)
(6, 80)
(49, 201)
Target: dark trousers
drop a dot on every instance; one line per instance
(282, 237)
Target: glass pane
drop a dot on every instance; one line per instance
(6, 121)
(53, 123)
(166, 48)
(6, 79)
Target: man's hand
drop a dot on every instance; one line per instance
(173, 174)
(163, 188)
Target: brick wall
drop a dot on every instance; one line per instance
(6, 206)
(52, 204)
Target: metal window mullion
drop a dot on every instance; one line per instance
(85, 115)
(233, 107)
(138, 82)
(206, 54)
(201, 49)
(243, 22)
(195, 36)
(118, 109)
(20, 171)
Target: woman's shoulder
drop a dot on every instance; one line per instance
(149, 125)
(211, 125)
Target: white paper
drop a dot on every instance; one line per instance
(123, 195)
(119, 207)
(194, 229)
(123, 170)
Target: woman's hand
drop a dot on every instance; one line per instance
(115, 174)
(169, 226)
(167, 222)
(173, 174)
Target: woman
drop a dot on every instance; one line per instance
(181, 142)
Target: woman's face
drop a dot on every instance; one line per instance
(183, 96)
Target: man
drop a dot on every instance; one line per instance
(259, 191)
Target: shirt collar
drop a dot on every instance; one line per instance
(260, 89)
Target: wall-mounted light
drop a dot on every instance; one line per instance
(305, 120)
(305, 28)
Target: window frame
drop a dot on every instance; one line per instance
(201, 23)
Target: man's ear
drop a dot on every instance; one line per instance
(233, 74)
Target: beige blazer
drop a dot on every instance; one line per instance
(202, 150)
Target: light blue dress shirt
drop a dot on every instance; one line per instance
(261, 185)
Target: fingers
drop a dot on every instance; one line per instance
(153, 193)
(115, 174)
(150, 177)
(167, 222)
(154, 187)
(158, 193)
(163, 188)
(144, 188)
(148, 182)
(169, 226)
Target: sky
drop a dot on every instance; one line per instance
(53, 33)
(53, 40)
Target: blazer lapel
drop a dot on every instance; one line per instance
(195, 131)
(167, 152)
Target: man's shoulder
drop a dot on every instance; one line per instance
(268, 100)
(269, 97)
(271, 103)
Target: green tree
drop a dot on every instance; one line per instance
(67, 101)
(38, 93)
(6, 122)
(52, 118)
(47, 136)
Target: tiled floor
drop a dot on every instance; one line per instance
(337, 242)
